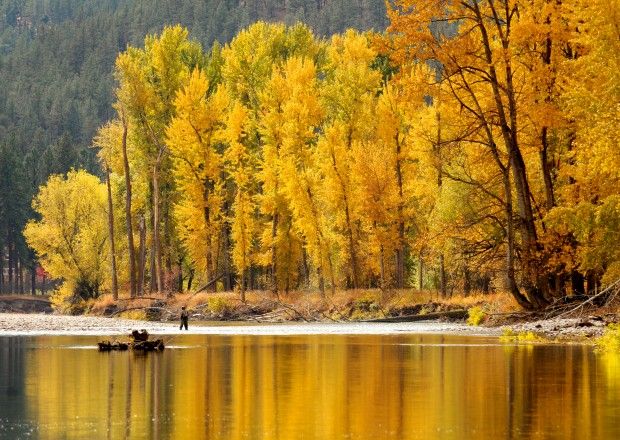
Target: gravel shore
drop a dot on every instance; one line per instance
(46, 324)
(36, 324)
(563, 328)
(42, 324)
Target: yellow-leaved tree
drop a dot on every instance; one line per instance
(70, 238)
(243, 222)
(194, 139)
(302, 114)
(348, 95)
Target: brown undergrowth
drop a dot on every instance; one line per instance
(264, 306)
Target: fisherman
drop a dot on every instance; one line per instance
(184, 318)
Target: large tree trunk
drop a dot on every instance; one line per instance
(111, 233)
(128, 220)
(507, 118)
(511, 282)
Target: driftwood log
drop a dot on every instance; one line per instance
(140, 343)
(109, 346)
(449, 314)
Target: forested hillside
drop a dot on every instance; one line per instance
(56, 62)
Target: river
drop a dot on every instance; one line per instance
(308, 386)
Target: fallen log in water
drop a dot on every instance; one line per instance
(140, 343)
(451, 314)
(157, 345)
(109, 346)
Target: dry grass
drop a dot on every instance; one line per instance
(501, 302)
(343, 304)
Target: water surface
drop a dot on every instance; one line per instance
(325, 386)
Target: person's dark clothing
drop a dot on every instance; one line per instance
(184, 319)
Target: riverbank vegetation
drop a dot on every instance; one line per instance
(469, 147)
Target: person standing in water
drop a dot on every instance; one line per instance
(184, 318)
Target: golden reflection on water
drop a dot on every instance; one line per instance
(322, 387)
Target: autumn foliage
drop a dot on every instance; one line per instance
(470, 147)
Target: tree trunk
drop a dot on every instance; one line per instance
(180, 277)
(142, 255)
(319, 273)
(511, 283)
(274, 248)
(2, 250)
(578, 283)
(21, 276)
(33, 279)
(442, 277)
(242, 284)
(11, 265)
(507, 118)
(128, 220)
(400, 250)
(546, 170)
(420, 272)
(156, 237)
(347, 213)
(211, 268)
(153, 277)
(111, 233)
(190, 279)
(437, 154)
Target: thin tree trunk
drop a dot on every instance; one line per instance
(2, 250)
(128, 220)
(439, 165)
(347, 213)
(180, 278)
(400, 251)
(153, 277)
(33, 279)
(546, 170)
(11, 264)
(207, 217)
(166, 249)
(544, 139)
(21, 275)
(442, 277)
(319, 273)
(156, 238)
(142, 255)
(111, 233)
(190, 279)
(274, 248)
(420, 272)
